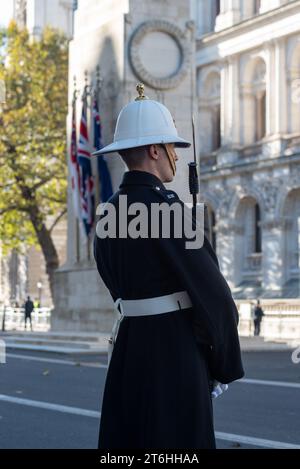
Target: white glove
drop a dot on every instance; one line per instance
(218, 389)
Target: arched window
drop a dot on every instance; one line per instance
(209, 112)
(253, 85)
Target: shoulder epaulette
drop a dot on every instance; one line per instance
(167, 195)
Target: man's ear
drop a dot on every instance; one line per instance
(154, 151)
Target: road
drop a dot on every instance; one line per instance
(50, 401)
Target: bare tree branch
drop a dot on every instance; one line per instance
(53, 199)
(59, 217)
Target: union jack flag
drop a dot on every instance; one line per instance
(87, 191)
(75, 170)
(104, 176)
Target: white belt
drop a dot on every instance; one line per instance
(145, 307)
(157, 305)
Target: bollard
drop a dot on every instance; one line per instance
(3, 319)
(2, 352)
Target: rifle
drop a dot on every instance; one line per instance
(194, 189)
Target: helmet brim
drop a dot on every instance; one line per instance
(142, 141)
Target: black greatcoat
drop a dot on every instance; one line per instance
(157, 389)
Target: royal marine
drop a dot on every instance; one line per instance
(175, 341)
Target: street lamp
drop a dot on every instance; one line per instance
(40, 286)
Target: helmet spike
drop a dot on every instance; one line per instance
(140, 89)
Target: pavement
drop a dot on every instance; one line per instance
(54, 401)
(87, 343)
(69, 343)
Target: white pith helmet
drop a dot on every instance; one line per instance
(143, 122)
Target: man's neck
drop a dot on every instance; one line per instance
(147, 170)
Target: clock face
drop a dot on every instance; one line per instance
(159, 54)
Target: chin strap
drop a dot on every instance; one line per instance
(171, 155)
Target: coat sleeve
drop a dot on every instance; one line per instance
(215, 313)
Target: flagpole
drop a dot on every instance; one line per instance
(96, 97)
(77, 250)
(87, 179)
(86, 93)
(104, 178)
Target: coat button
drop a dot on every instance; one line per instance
(158, 188)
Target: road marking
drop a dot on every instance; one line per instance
(49, 406)
(249, 440)
(95, 414)
(285, 384)
(55, 360)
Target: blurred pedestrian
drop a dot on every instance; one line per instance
(258, 315)
(28, 306)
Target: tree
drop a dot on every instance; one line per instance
(33, 168)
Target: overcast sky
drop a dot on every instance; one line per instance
(6, 11)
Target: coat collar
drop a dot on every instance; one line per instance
(140, 178)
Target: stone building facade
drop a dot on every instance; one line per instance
(248, 83)
(236, 65)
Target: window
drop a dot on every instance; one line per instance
(251, 220)
(212, 225)
(260, 115)
(210, 111)
(253, 82)
(256, 6)
(215, 11)
(216, 137)
(292, 235)
(257, 236)
(213, 229)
